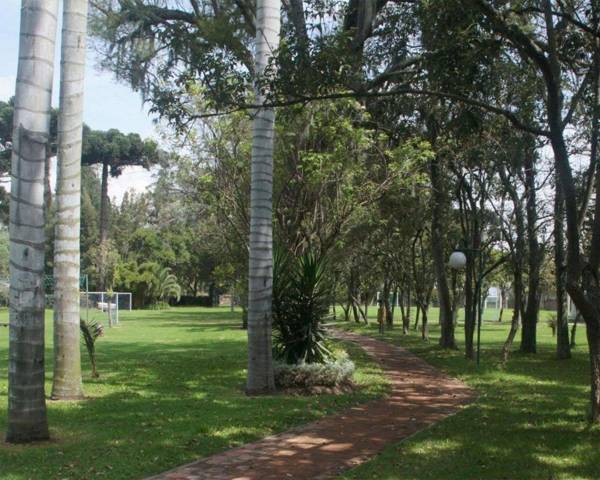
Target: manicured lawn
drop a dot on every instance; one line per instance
(171, 390)
(529, 421)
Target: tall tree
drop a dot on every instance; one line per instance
(27, 419)
(67, 360)
(115, 151)
(260, 281)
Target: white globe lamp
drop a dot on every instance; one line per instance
(458, 260)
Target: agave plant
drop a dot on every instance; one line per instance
(301, 297)
(91, 330)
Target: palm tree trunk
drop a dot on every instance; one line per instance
(260, 283)
(27, 419)
(67, 359)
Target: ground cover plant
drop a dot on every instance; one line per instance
(529, 421)
(170, 391)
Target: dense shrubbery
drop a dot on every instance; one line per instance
(332, 373)
(301, 297)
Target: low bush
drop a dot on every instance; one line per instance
(333, 373)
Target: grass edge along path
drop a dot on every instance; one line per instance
(420, 396)
(170, 391)
(528, 423)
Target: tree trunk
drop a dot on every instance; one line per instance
(416, 325)
(573, 342)
(514, 325)
(425, 324)
(437, 251)
(470, 308)
(104, 207)
(27, 419)
(406, 325)
(502, 302)
(386, 303)
(535, 258)
(260, 282)
(593, 335)
(563, 348)
(67, 359)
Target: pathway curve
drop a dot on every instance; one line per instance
(420, 396)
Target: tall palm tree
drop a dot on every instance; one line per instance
(260, 283)
(27, 420)
(67, 359)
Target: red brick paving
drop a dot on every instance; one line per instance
(420, 396)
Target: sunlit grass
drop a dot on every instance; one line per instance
(530, 421)
(170, 391)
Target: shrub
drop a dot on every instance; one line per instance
(301, 297)
(331, 373)
(91, 331)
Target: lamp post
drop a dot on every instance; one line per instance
(458, 261)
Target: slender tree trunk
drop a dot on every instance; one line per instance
(406, 324)
(416, 325)
(438, 199)
(573, 342)
(260, 284)
(563, 348)
(515, 322)
(27, 419)
(534, 259)
(386, 303)
(425, 323)
(470, 308)
(593, 336)
(104, 207)
(67, 359)
(502, 302)
(394, 302)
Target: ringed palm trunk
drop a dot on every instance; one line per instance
(260, 282)
(67, 359)
(27, 420)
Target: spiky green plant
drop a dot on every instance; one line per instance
(301, 297)
(91, 330)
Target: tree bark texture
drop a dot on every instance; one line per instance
(67, 359)
(260, 283)
(27, 419)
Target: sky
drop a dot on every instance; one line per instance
(108, 104)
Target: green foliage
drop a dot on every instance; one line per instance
(117, 150)
(301, 299)
(149, 282)
(91, 330)
(159, 370)
(334, 372)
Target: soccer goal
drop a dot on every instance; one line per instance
(107, 304)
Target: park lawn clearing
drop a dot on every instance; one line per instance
(170, 391)
(529, 422)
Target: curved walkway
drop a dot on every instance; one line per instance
(420, 396)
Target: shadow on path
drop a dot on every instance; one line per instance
(420, 396)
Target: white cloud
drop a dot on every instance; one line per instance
(7, 87)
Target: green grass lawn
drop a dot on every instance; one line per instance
(171, 390)
(528, 423)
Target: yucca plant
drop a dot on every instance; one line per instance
(301, 297)
(90, 331)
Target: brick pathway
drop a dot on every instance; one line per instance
(420, 396)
